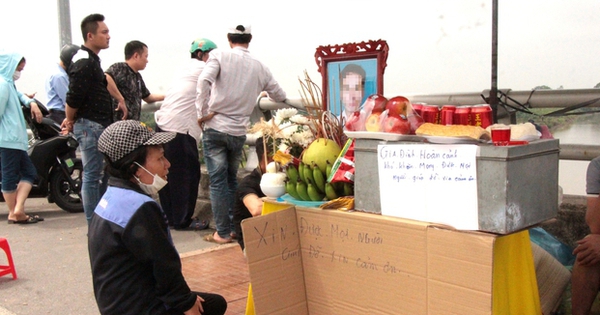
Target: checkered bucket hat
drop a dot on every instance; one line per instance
(123, 137)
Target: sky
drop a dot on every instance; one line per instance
(435, 46)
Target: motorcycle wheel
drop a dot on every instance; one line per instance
(64, 195)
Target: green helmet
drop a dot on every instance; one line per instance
(202, 44)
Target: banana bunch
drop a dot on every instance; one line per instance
(309, 183)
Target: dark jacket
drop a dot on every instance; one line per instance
(135, 267)
(248, 185)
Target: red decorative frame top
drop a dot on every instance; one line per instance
(373, 49)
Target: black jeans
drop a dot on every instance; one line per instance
(57, 115)
(213, 304)
(178, 197)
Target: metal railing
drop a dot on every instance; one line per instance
(533, 99)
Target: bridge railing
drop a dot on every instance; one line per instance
(533, 99)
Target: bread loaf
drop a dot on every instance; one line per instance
(475, 132)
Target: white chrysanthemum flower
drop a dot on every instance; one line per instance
(285, 113)
(299, 119)
(305, 138)
(287, 129)
(297, 138)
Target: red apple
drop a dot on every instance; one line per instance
(353, 123)
(397, 105)
(373, 123)
(375, 103)
(396, 124)
(415, 121)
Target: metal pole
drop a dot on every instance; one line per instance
(493, 99)
(64, 23)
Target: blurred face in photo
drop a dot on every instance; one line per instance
(352, 91)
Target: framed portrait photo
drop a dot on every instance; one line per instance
(351, 72)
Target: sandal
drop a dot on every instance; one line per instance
(211, 238)
(29, 220)
(37, 217)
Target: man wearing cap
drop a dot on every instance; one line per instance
(178, 114)
(135, 266)
(237, 79)
(57, 84)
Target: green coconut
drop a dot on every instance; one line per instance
(320, 151)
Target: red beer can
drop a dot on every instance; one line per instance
(417, 107)
(462, 115)
(431, 114)
(447, 114)
(482, 116)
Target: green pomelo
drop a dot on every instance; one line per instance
(320, 151)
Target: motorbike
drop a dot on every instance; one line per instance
(54, 156)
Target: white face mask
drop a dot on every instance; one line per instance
(157, 183)
(16, 75)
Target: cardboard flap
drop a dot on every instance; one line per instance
(459, 266)
(356, 263)
(275, 263)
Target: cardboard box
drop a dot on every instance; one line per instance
(310, 261)
(517, 186)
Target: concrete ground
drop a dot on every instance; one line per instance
(52, 262)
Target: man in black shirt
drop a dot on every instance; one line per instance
(89, 108)
(125, 81)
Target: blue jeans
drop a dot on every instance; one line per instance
(16, 166)
(223, 155)
(94, 182)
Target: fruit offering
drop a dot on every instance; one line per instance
(394, 115)
(308, 182)
(320, 151)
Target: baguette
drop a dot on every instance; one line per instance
(475, 132)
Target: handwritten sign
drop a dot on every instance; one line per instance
(296, 267)
(428, 182)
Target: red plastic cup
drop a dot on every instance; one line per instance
(501, 135)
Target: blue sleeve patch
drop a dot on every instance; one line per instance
(118, 205)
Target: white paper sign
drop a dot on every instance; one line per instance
(429, 182)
